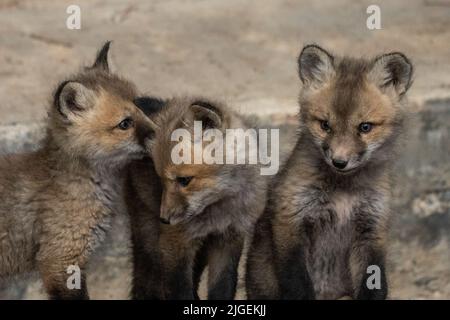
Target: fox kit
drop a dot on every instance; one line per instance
(326, 220)
(202, 215)
(56, 202)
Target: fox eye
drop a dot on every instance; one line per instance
(184, 181)
(325, 125)
(125, 124)
(365, 127)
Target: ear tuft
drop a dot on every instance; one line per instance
(101, 62)
(315, 65)
(73, 98)
(392, 69)
(210, 115)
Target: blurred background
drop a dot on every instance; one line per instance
(245, 53)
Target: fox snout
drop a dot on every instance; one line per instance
(164, 214)
(171, 211)
(172, 215)
(339, 163)
(145, 130)
(342, 157)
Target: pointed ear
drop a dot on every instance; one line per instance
(101, 62)
(208, 114)
(392, 70)
(315, 65)
(73, 98)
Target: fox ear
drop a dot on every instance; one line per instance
(315, 65)
(392, 69)
(208, 114)
(73, 98)
(101, 61)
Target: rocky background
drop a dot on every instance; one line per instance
(245, 53)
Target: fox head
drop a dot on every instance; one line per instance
(94, 117)
(352, 109)
(188, 189)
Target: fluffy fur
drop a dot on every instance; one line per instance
(203, 223)
(56, 203)
(327, 217)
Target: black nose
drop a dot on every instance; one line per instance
(340, 164)
(164, 220)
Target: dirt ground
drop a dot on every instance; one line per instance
(243, 52)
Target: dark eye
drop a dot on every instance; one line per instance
(325, 125)
(184, 181)
(125, 124)
(365, 127)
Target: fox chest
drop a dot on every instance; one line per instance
(105, 203)
(93, 206)
(329, 243)
(107, 194)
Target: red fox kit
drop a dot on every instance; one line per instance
(56, 202)
(202, 216)
(327, 217)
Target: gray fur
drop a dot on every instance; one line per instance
(337, 220)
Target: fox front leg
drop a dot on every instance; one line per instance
(367, 257)
(200, 263)
(61, 265)
(261, 280)
(290, 263)
(177, 264)
(178, 281)
(224, 253)
(146, 283)
(147, 274)
(369, 275)
(63, 282)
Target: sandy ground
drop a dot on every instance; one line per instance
(243, 52)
